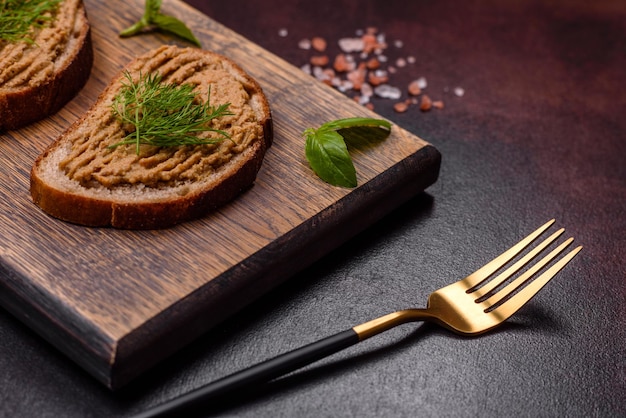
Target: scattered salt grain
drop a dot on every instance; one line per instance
(283, 32)
(357, 77)
(318, 43)
(345, 86)
(377, 77)
(370, 43)
(414, 88)
(387, 91)
(344, 63)
(426, 103)
(351, 44)
(373, 64)
(304, 44)
(362, 100)
(367, 90)
(319, 60)
(362, 70)
(319, 73)
(401, 107)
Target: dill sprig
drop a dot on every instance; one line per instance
(18, 18)
(165, 115)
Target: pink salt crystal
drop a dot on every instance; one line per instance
(373, 64)
(377, 77)
(401, 107)
(369, 43)
(319, 60)
(414, 88)
(357, 76)
(318, 43)
(343, 63)
(426, 103)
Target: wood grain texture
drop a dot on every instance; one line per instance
(117, 302)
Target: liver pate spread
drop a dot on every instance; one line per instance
(93, 163)
(25, 64)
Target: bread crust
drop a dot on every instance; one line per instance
(19, 108)
(234, 177)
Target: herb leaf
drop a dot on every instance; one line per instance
(153, 8)
(327, 153)
(154, 19)
(175, 26)
(165, 115)
(328, 156)
(348, 123)
(20, 17)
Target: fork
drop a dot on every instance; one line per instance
(471, 306)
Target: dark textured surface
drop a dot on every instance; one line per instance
(538, 134)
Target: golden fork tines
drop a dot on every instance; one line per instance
(473, 305)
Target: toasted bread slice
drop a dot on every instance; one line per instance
(38, 78)
(79, 178)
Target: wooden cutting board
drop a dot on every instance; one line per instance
(117, 302)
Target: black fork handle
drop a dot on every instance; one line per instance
(260, 373)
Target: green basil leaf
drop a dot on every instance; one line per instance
(153, 17)
(152, 10)
(327, 152)
(356, 123)
(134, 29)
(175, 26)
(328, 156)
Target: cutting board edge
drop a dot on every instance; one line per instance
(58, 324)
(137, 352)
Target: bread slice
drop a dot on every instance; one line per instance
(80, 179)
(38, 78)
